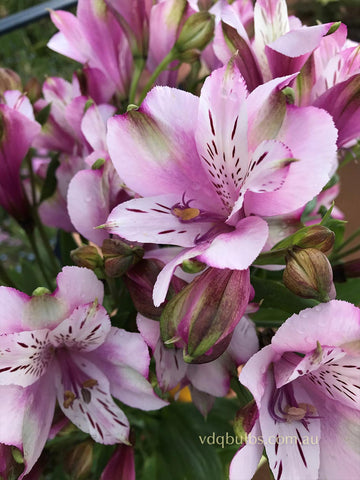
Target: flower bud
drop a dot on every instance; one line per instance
(33, 89)
(80, 460)
(140, 281)
(204, 314)
(9, 80)
(308, 274)
(121, 465)
(245, 420)
(196, 33)
(87, 256)
(319, 237)
(120, 256)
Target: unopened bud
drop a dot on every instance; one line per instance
(9, 80)
(205, 313)
(308, 274)
(80, 460)
(192, 266)
(120, 256)
(33, 89)
(87, 256)
(140, 281)
(196, 33)
(319, 237)
(245, 420)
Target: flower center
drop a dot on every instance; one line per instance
(283, 407)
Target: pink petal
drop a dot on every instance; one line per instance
(340, 438)
(88, 204)
(44, 311)
(150, 220)
(71, 41)
(333, 323)
(85, 329)
(92, 408)
(163, 280)
(212, 378)
(293, 459)
(149, 330)
(93, 125)
(311, 136)
(244, 465)
(288, 53)
(170, 366)
(38, 416)
(125, 348)
(13, 404)
(25, 357)
(78, 286)
(253, 374)
(130, 387)
(221, 133)
(244, 342)
(239, 248)
(12, 306)
(158, 141)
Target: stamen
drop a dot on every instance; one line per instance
(69, 398)
(89, 383)
(186, 214)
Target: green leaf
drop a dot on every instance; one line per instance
(274, 294)
(65, 244)
(269, 317)
(43, 114)
(349, 291)
(50, 181)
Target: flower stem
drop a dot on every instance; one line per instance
(32, 240)
(171, 56)
(139, 67)
(348, 240)
(335, 258)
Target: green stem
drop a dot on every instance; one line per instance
(335, 258)
(275, 257)
(161, 67)
(348, 240)
(36, 218)
(139, 67)
(35, 249)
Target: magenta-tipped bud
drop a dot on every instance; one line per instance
(245, 420)
(120, 256)
(202, 317)
(140, 281)
(121, 465)
(308, 274)
(79, 461)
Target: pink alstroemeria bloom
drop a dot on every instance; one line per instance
(329, 65)
(94, 37)
(209, 167)
(206, 380)
(62, 347)
(306, 388)
(18, 129)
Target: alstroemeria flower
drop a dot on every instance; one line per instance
(62, 347)
(207, 380)
(208, 168)
(329, 65)
(94, 37)
(306, 388)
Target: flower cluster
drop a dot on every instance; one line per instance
(180, 189)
